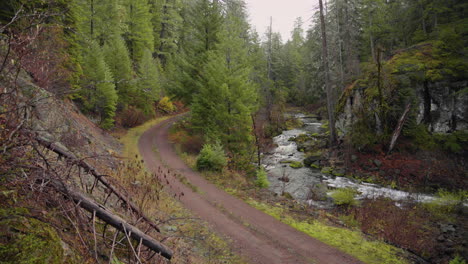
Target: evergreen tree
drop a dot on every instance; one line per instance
(98, 92)
(203, 22)
(148, 85)
(118, 59)
(140, 34)
(227, 98)
(166, 22)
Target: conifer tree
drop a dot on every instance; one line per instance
(140, 34)
(148, 84)
(227, 96)
(203, 21)
(166, 22)
(118, 59)
(98, 92)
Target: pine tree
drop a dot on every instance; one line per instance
(203, 22)
(148, 85)
(227, 97)
(166, 22)
(140, 34)
(118, 59)
(98, 92)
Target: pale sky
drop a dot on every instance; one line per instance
(284, 13)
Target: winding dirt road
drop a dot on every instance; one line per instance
(255, 235)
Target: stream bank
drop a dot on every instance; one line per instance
(288, 175)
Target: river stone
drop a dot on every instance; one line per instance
(340, 172)
(327, 170)
(170, 228)
(447, 228)
(310, 160)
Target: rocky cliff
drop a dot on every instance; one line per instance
(435, 85)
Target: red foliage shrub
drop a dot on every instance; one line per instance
(409, 228)
(43, 52)
(131, 117)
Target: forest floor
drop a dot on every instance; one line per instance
(257, 236)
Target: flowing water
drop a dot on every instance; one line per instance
(299, 182)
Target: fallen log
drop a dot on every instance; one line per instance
(120, 224)
(397, 131)
(88, 168)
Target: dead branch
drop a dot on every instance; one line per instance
(397, 131)
(81, 163)
(102, 213)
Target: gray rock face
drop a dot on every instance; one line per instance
(440, 105)
(446, 107)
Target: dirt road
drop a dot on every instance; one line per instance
(254, 234)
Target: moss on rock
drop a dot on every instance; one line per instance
(25, 240)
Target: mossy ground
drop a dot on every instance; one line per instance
(349, 241)
(26, 240)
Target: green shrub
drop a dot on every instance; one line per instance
(446, 203)
(262, 178)
(362, 135)
(166, 105)
(344, 197)
(457, 260)
(211, 158)
(26, 240)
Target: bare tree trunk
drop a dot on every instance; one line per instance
(330, 102)
(257, 141)
(270, 32)
(83, 164)
(120, 224)
(371, 38)
(397, 131)
(379, 88)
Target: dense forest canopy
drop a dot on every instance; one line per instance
(375, 93)
(123, 56)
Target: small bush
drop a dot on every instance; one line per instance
(211, 158)
(362, 135)
(132, 117)
(457, 260)
(166, 105)
(344, 197)
(446, 203)
(262, 178)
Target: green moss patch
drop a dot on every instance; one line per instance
(25, 240)
(351, 242)
(296, 164)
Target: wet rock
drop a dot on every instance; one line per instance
(340, 172)
(311, 160)
(327, 170)
(441, 238)
(296, 164)
(284, 179)
(287, 195)
(170, 228)
(447, 228)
